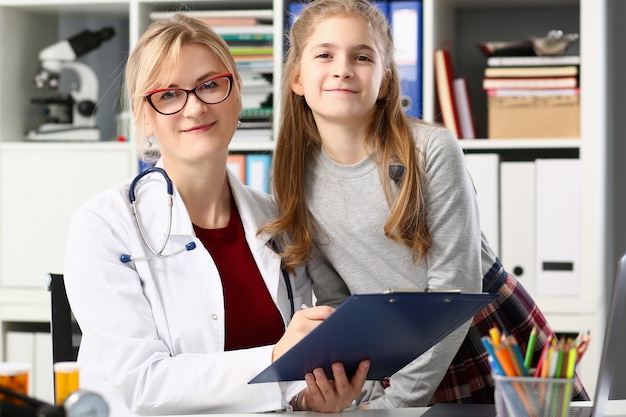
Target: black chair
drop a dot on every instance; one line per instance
(66, 333)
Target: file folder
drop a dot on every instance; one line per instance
(557, 238)
(517, 220)
(391, 329)
(485, 172)
(406, 25)
(258, 167)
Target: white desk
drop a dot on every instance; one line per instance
(615, 408)
(396, 412)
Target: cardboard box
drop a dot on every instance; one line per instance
(544, 117)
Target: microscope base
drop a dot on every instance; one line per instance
(63, 132)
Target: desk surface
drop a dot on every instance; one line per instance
(395, 412)
(615, 408)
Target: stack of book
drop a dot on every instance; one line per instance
(533, 97)
(250, 36)
(453, 98)
(258, 106)
(251, 43)
(252, 46)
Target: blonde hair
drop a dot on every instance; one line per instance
(387, 134)
(157, 52)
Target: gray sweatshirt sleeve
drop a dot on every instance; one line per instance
(453, 261)
(328, 287)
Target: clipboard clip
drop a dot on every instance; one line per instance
(427, 289)
(416, 290)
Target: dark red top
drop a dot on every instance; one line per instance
(252, 318)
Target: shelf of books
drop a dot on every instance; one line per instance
(532, 97)
(506, 97)
(528, 97)
(250, 36)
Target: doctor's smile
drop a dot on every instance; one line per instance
(200, 128)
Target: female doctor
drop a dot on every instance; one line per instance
(177, 318)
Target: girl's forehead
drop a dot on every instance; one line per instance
(337, 28)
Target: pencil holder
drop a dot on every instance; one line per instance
(532, 397)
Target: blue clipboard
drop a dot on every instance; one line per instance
(391, 329)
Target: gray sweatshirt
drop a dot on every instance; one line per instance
(354, 256)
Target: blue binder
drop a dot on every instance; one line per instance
(295, 8)
(391, 329)
(383, 6)
(258, 167)
(406, 25)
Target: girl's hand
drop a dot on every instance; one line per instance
(332, 396)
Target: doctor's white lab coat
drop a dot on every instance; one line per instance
(154, 330)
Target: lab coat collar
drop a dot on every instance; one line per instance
(253, 211)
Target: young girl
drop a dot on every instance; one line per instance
(375, 200)
(175, 331)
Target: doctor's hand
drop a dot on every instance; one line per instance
(331, 396)
(301, 324)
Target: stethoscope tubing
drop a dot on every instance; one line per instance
(125, 258)
(155, 253)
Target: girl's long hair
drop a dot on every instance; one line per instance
(387, 135)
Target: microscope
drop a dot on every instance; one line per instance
(69, 116)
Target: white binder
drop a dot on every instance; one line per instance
(558, 227)
(484, 170)
(517, 220)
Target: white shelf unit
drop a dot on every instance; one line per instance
(446, 23)
(460, 25)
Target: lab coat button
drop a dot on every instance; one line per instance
(214, 316)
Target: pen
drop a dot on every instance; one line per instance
(518, 355)
(543, 356)
(571, 362)
(505, 360)
(554, 360)
(583, 344)
(532, 340)
(495, 335)
(547, 363)
(493, 361)
(559, 362)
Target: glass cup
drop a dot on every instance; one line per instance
(66, 380)
(14, 376)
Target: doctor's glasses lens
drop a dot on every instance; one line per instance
(172, 100)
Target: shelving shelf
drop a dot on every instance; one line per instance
(496, 144)
(459, 25)
(456, 24)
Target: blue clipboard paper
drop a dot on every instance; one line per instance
(391, 329)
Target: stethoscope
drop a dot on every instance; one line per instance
(155, 253)
(158, 253)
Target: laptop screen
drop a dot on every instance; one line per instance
(618, 383)
(611, 383)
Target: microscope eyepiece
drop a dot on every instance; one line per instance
(88, 40)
